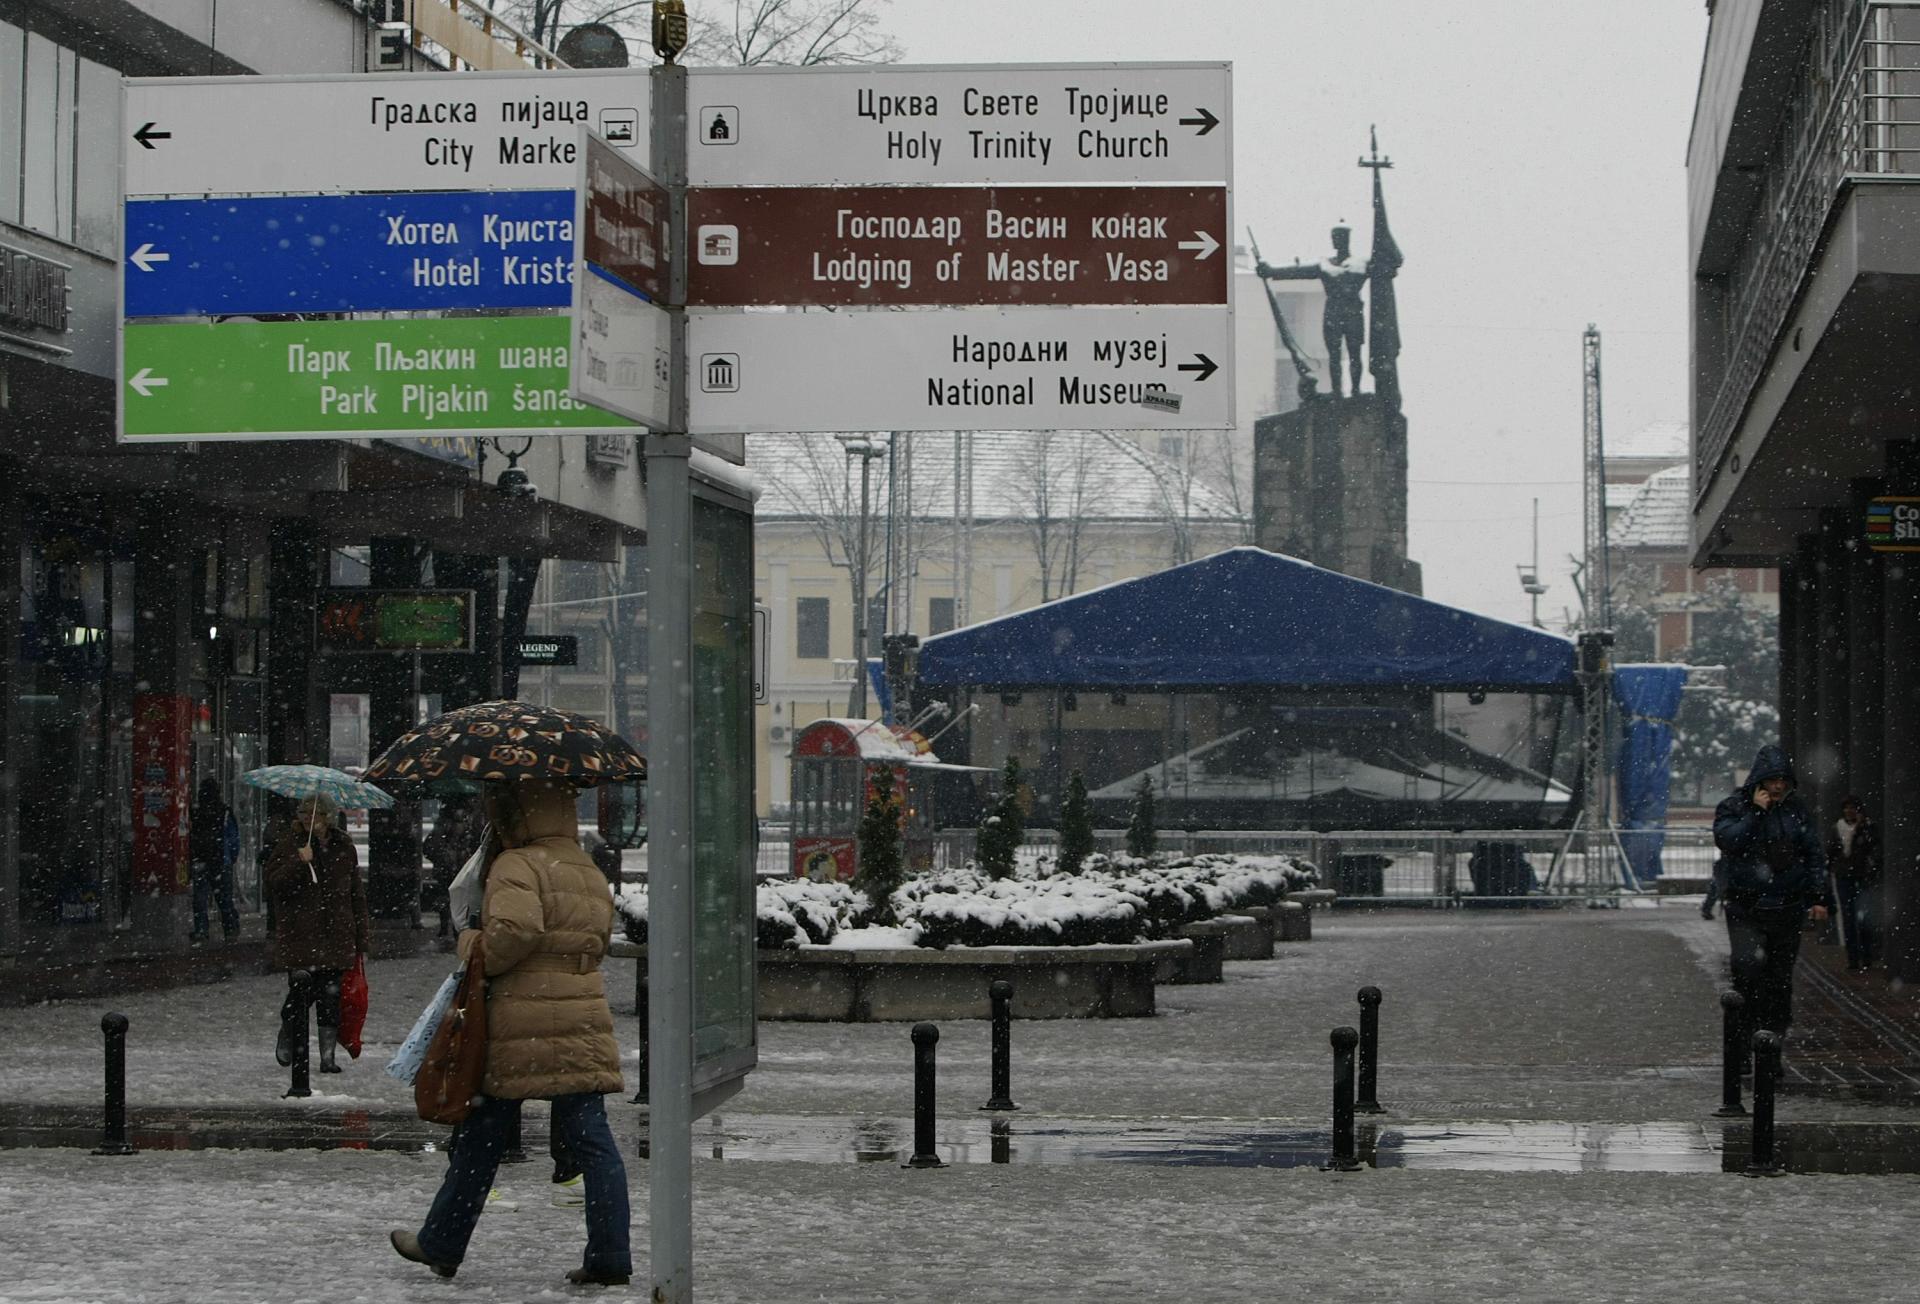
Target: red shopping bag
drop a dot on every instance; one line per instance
(353, 1005)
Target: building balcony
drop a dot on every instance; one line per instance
(1807, 266)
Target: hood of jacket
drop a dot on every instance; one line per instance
(1771, 763)
(528, 810)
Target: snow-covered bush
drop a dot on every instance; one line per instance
(1114, 899)
(963, 907)
(799, 912)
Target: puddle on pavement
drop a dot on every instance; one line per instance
(1492, 1147)
(1509, 1147)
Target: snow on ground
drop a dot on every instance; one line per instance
(223, 1227)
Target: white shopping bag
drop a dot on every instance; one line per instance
(464, 894)
(406, 1061)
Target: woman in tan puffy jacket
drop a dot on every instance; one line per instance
(545, 922)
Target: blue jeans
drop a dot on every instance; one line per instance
(215, 882)
(580, 1127)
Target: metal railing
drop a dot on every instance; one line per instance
(1419, 866)
(1853, 117)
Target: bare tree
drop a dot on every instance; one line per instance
(801, 32)
(1055, 481)
(727, 32)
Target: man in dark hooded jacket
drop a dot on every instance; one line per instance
(1772, 874)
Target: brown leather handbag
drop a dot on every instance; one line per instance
(448, 1084)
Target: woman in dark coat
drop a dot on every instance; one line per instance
(320, 922)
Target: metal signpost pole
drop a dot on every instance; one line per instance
(670, 753)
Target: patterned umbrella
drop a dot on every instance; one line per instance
(492, 742)
(304, 782)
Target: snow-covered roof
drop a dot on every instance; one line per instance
(1660, 513)
(1017, 475)
(1660, 440)
(1620, 492)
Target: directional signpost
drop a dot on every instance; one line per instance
(350, 253)
(948, 245)
(436, 194)
(1059, 236)
(1107, 124)
(376, 132)
(1008, 369)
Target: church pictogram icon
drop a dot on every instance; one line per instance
(719, 124)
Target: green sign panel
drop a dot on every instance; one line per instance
(395, 620)
(351, 378)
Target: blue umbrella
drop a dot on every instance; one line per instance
(305, 782)
(313, 783)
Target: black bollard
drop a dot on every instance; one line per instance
(303, 996)
(1766, 1075)
(1731, 1058)
(1344, 1159)
(1000, 992)
(113, 1135)
(925, 1037)
(1369, 1075)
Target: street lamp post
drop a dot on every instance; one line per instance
(866, 450)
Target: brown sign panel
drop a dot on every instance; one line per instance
(624, 228)
(998, 245)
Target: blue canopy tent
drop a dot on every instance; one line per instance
(1648, 698)
(1329, 685)
(1251, 618)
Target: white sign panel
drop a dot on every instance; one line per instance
(390, 131)
(960, 369)
(622, 359)
(1031, 123)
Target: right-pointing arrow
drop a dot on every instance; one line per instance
(146, 256)
(145, 382)
(1203, 365)
(1206, 122)
(1203, 247)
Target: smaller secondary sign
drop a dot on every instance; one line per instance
(960, 369)
(1165, 123)
(349, 253)
(394, 620)
(194, 380)
(623, 340)
(957, 246)
(1893, 524)
(549, 650)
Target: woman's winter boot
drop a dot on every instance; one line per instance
(329, 1041)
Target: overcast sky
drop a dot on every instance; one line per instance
(1539, 151)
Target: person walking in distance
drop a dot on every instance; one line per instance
(213, 844)
(546, 918)
(320, 922)
(1774, 875)
(1853, 858)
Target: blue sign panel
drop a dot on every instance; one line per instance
(349, 253)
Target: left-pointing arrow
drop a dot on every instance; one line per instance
(145, 382)
(1203, 247)
(146, 256)
(147, 135)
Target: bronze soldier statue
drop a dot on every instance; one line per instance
(1344, 323)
